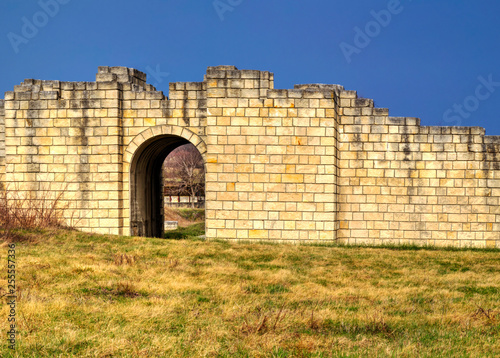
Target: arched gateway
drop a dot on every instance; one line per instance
(311, 163)
(146, 154)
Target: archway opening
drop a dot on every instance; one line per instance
(184, 178)
(147, 185)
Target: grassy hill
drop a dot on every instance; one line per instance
(85, 295)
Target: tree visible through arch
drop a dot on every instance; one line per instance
(184, 174)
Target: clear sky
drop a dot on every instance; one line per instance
(436, 60)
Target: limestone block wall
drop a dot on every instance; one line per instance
(405, 183)
(310, 163)
(72, 137)
(65, 137)
(271, 158)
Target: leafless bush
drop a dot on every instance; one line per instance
(27, 210)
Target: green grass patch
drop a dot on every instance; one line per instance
(188, 232)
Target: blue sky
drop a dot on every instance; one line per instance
(436, 60)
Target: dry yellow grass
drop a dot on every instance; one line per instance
(101, 296)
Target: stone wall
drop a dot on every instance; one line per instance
(310, 163)
(405, 183)
(271, 163)
(72, 137)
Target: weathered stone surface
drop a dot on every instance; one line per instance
(310, 163)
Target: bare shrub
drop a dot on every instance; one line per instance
(31, 210)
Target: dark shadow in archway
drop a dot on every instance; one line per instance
(146, 185)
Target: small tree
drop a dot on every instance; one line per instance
(184, 172)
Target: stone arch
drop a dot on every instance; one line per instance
(145, 156)
(151, 132)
